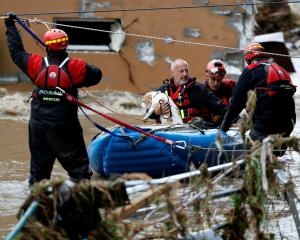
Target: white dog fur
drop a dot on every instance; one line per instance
(153, 100)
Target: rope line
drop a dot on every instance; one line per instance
(157, 8)
(89, 94)
(155, 38)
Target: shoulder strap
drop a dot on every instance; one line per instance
(63, 62)
(60, 66)
(46, 61)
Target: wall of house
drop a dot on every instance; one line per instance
(143, 63)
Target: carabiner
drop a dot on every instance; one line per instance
(180, 144)
(60, 89)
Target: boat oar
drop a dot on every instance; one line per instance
(23, 221)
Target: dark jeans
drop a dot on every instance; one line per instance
(257, 136)
(64, 142)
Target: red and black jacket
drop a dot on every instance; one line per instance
(74, 73)
(275, 106)
(224, 91)
(191, 98)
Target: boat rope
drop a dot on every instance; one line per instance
(156, 38)
(102, 105)
(162, 8)
(178, 144)
(131, 140)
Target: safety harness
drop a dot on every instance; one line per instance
(277, 82)
(182, 100)
(48, 78)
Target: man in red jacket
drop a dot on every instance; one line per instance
(54, 128)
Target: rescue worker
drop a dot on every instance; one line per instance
(215, 82)
(275, 107)
(54, 128)
(189, 96)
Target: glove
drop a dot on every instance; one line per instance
(10, 19)
(11, 15)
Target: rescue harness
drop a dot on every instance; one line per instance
(182, 100)
(277, 82)
(48, 78)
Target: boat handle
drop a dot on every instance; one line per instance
(180, 144)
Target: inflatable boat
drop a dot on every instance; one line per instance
(126, 151)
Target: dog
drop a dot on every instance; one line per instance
(152, 101)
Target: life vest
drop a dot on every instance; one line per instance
(182, 100)
(277, 82)
(48, 78)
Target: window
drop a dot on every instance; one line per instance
(88, 40)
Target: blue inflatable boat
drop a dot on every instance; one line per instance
(134, 152)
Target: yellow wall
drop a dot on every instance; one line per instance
(213, 27)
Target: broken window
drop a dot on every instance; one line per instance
(81, 39)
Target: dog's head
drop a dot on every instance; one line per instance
(147, 100)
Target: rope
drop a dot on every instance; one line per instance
(105, 129)
(31, 33)
(159, 38)
(158, 8)
(120, 114)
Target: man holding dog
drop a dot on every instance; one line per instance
(189, 96)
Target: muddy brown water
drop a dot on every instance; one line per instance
(14, 168)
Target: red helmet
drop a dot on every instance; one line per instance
(254, 50)
(56, 39)
(215, 69)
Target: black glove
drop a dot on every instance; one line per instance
(9, 21)
(11, 15)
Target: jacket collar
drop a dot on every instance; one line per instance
(60, 55)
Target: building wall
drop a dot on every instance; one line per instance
(214, 25)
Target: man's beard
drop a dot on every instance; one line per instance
(183, 81)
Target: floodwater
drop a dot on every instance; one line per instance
(14, 157)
